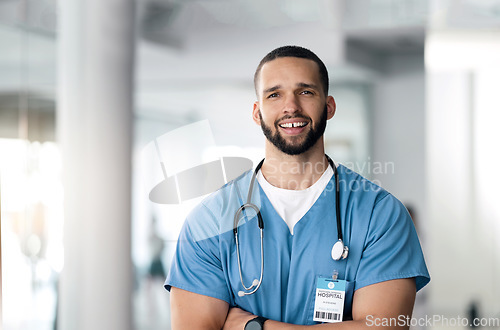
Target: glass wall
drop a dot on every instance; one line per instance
(30, 166)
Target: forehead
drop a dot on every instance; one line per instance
(288, 70)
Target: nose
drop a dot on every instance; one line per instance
(291, 104)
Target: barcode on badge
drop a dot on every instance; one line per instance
(325, 316)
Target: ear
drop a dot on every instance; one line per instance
(331, 107)
(255, 112)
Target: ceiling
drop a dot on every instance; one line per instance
(210, 43)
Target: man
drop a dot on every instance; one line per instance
(296, 197)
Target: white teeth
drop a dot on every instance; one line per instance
(289, 125)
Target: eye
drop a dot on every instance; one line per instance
(307, 92)
(273, 95)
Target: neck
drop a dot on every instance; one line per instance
(295, 172)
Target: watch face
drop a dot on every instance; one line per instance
(253, 325)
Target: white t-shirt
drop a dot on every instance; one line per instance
(292, 205)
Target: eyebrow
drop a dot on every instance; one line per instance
(304, 85)
(272, 89)
(301, 85)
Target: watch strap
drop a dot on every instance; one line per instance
(259, 320)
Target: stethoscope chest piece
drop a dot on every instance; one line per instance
(339, 250)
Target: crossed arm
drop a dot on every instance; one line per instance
(388, 299)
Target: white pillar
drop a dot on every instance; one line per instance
(449, 193)
(1, 283)
(96, 47)
(462, 164)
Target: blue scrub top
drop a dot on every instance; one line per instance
(383, 245)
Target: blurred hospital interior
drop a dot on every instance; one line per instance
(92, 94)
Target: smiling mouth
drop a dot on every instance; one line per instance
(291, 125)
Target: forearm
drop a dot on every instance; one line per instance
(210, 313)
(374, 306)
(346, 325)
(237, 318)
(274, 325)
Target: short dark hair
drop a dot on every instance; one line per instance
(294, 51)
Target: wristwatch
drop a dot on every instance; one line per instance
(256, 323)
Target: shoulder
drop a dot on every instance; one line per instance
(372, 204)
(383, 238)
(358, 187)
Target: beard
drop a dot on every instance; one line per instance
(295, 147)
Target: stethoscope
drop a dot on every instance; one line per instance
(339, 250)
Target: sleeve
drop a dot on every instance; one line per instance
(196, 265)
(392, 249)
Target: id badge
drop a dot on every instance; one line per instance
(329, 300)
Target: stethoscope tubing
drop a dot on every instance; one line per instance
(337, 198)
(256, 283)
(261, 229)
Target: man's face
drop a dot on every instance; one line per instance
(292, 109)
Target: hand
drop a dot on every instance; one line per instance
(237, 319)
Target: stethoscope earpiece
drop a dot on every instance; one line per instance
(255, 283)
